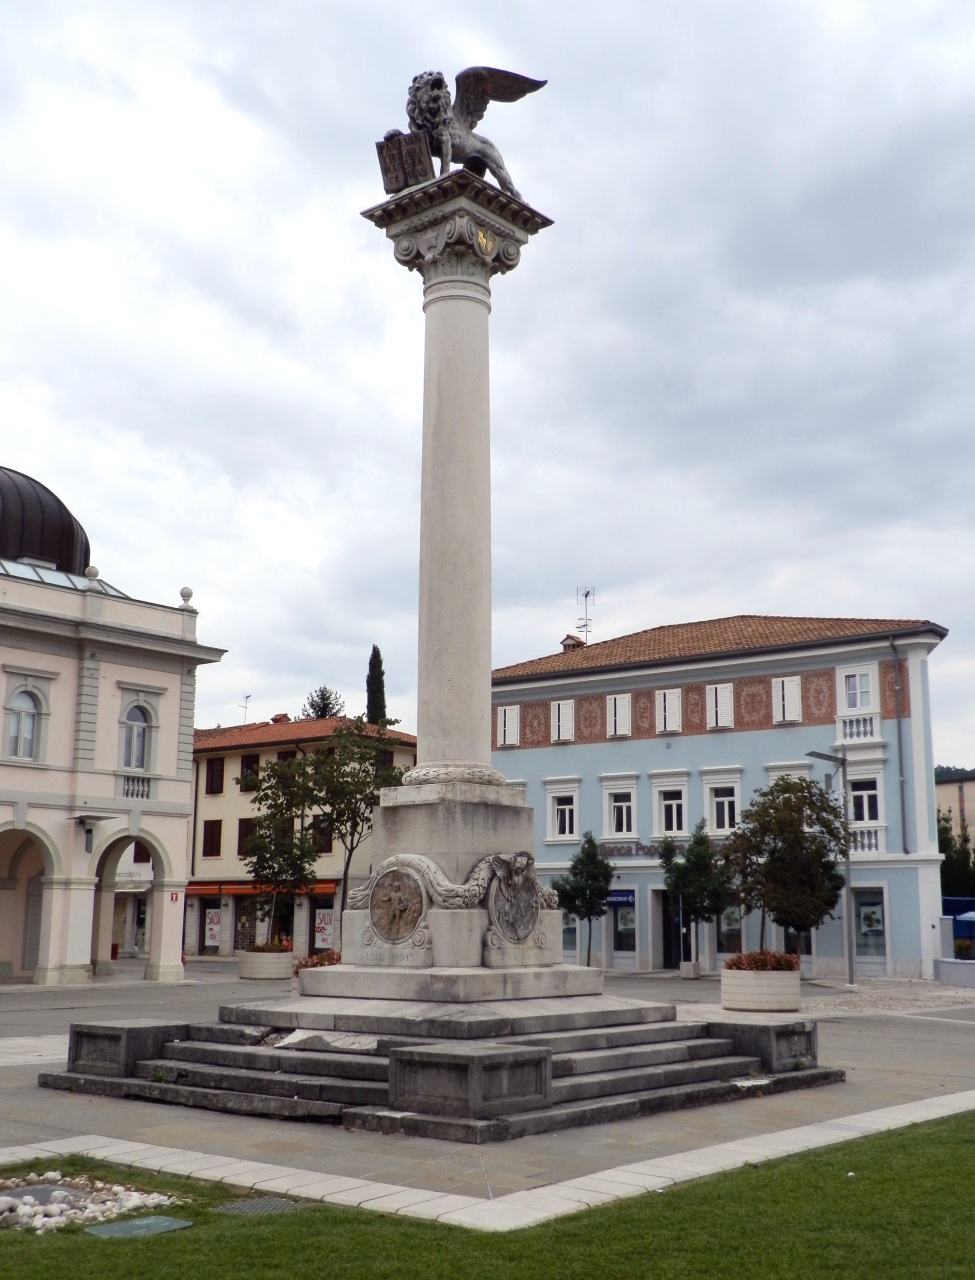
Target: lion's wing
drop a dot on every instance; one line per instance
(477, 86)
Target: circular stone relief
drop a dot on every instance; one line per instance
(395, 905)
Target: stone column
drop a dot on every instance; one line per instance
(166, 931)
(458, 232)
(101, 949)
(67, 916)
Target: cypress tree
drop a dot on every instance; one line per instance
(375, 688)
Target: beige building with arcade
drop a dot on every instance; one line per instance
(96, 762)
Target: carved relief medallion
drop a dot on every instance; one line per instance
(395, 905)
(513, 906)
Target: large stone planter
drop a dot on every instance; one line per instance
(266, 964)
(760, 992)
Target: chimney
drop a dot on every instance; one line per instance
(571, 642)
(281, 718)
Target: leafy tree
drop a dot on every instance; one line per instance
(332, 788)
(957, 871)
(281, 852)
(782, 857)
(322, 704)
(346, 778)
(584, 892)
(375, 688)
(698, 878)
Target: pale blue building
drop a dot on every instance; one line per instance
(640, 737)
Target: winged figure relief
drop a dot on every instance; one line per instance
(449, 125)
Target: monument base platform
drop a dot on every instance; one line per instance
(450, 986)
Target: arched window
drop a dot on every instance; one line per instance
(136, 738)
(24, 724)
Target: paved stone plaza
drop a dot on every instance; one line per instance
(908, 1049)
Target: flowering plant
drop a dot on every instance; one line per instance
(320, 960)
(284, 944)
(963, 948)
(763, 962)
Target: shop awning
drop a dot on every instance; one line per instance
(239, 888)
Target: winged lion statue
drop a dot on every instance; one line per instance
(449, 126)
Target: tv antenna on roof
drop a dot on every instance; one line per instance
(247, 698)
(585, 596)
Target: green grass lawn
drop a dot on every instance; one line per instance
(906, 1213)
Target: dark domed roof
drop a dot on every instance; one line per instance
(36, 523)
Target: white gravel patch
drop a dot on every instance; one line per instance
(44, 1202)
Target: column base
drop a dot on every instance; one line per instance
(63, 975)
(164, 973)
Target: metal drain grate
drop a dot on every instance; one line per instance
(258, 1205)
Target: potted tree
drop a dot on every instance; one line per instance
(584, 892)
(781, 860)
(698, 882)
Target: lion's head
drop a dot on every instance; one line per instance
(428, 103)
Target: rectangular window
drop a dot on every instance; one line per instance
(869, 923)
(856, 687)
(509, 726)
(564, 815)
(618, 715)
(864, 800)
(621, 813)
(624, 926)
(563, 721)
(245, 829)
(668, 711)
(721, 706)
(249, 769)
(287, 755)
(212, 832)
(321, 830)
(140, 853)
(787, 700)
(672, 811)
(724, 810)
(214, 778)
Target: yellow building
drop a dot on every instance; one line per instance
(221, 918)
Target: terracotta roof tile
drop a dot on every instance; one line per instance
(743, 633)
(271, 733)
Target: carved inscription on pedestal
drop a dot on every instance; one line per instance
(395, 905)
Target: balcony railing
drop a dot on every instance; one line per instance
(136, 786)
(857, 728)
(868, 837)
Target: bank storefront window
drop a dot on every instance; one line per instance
(870, 923)
(622, 905)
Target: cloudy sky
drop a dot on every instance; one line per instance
(736, 375)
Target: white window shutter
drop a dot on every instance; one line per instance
(674, 719)
(622, 715)
(711, 698)
(501, 726)
(778, 700)
(793, 698)
(555, 721)
(568, 720)
(661, 697)
(726, 706)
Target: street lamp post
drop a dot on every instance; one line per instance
(847, 891)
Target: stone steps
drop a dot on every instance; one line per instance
(280, 1084)
(572, 1115)
(628, 1057)
(602, 1084)
(347, 1066)
(246, 1104)
(612, 1037)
